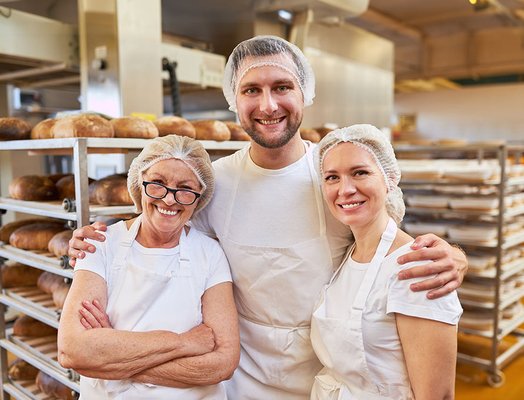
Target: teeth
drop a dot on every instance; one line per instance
(166, 212)
(269, 121)
(352, 205)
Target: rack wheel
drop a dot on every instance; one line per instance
(497, 379)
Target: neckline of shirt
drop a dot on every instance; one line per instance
(281, 171)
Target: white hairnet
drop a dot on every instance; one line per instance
(375, 142)
(263, 51)
(182, 148)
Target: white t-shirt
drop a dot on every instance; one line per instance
(388, 296)
(273, 208)
(172, 309)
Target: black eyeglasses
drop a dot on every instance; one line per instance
(156, 190)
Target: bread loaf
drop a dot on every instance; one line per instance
(51, 387)
(59, 295)
(110, 191)
(35, 236)
(211, 130)
(133, 127)
(43, 129)
(323, 131)
(14, 129)
(172, 125)
(7, 229)
(49, 282)
(27, 326)
(86, 125)
(237, 132)
(16, 274)
(66, 187)
(33, 188)
(21, 370)
(59, 243)
(310, 134)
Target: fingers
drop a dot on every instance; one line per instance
(427, 240)
(444, 290)
(438, 285)
(424, 254)
(85, 324)
(97, 312)
(89, 318)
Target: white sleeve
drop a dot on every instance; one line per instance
(401, 299)
(218, 266)
(95, 262)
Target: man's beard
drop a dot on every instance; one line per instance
(281, 141)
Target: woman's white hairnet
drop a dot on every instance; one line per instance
(375, 142)
(262, 51)
(182, 148)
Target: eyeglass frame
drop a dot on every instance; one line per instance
(170, 190)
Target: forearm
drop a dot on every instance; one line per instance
(113, 354)
(207, 369)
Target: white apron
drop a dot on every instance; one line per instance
(141, 300)
(340, 346)
(277, 360)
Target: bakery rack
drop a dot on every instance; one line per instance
(487, 293)
(41, 352)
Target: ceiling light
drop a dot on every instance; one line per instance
(285, 16)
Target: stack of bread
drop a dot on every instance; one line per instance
(55, 286)
(15, 274)
(14, 129)
(35, 236)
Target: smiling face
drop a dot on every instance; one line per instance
(270, 105)
(353, 186)
(166, 216)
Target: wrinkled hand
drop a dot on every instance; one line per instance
(93, 315)
(449, 265)
(78, 246)
(199, 340)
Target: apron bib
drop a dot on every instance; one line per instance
(137, 301)
(339, 343)
(275, 290)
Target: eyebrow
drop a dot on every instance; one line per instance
(358, 166)
(275, 83)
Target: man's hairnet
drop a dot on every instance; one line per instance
(182, 148)
(375, 142)
(262, 51)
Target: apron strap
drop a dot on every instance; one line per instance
(369, 278)
(183, 253)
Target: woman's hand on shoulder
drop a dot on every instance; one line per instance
(449, 265)
(78, 246)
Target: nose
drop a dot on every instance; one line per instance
(169, 199)
(268, 105)
(346, 187)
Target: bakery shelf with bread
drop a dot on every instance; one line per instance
(473, 195)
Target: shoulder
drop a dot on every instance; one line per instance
(224, 164)
(201, 241)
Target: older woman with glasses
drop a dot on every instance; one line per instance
(150, 314)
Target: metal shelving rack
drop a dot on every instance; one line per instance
(501, 328)
(41, 353)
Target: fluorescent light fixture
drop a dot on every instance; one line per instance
(285, 15)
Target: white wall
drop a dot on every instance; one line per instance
(477, 113)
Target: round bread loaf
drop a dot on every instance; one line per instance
(14, 129)
(110, 191)
(323, 131)
(15, 274)
(7, 229)
(35, 236)
(21, 370)
(59, 244)
(43, 129)
(173, 125)
(59, 295)
(27, 326)
(86, 125)
(49, 282)
(237, 132)
(33, 188)
(310, 134)
(133, 127)
(53, 388)
(66, 187)
(211, 130)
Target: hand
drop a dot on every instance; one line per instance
(449, 264)
(199, 340)
(93, 315)
(77, 245)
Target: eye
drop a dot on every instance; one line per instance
(331, 178)
(250, 91)
(360, 172)
(282, 89)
